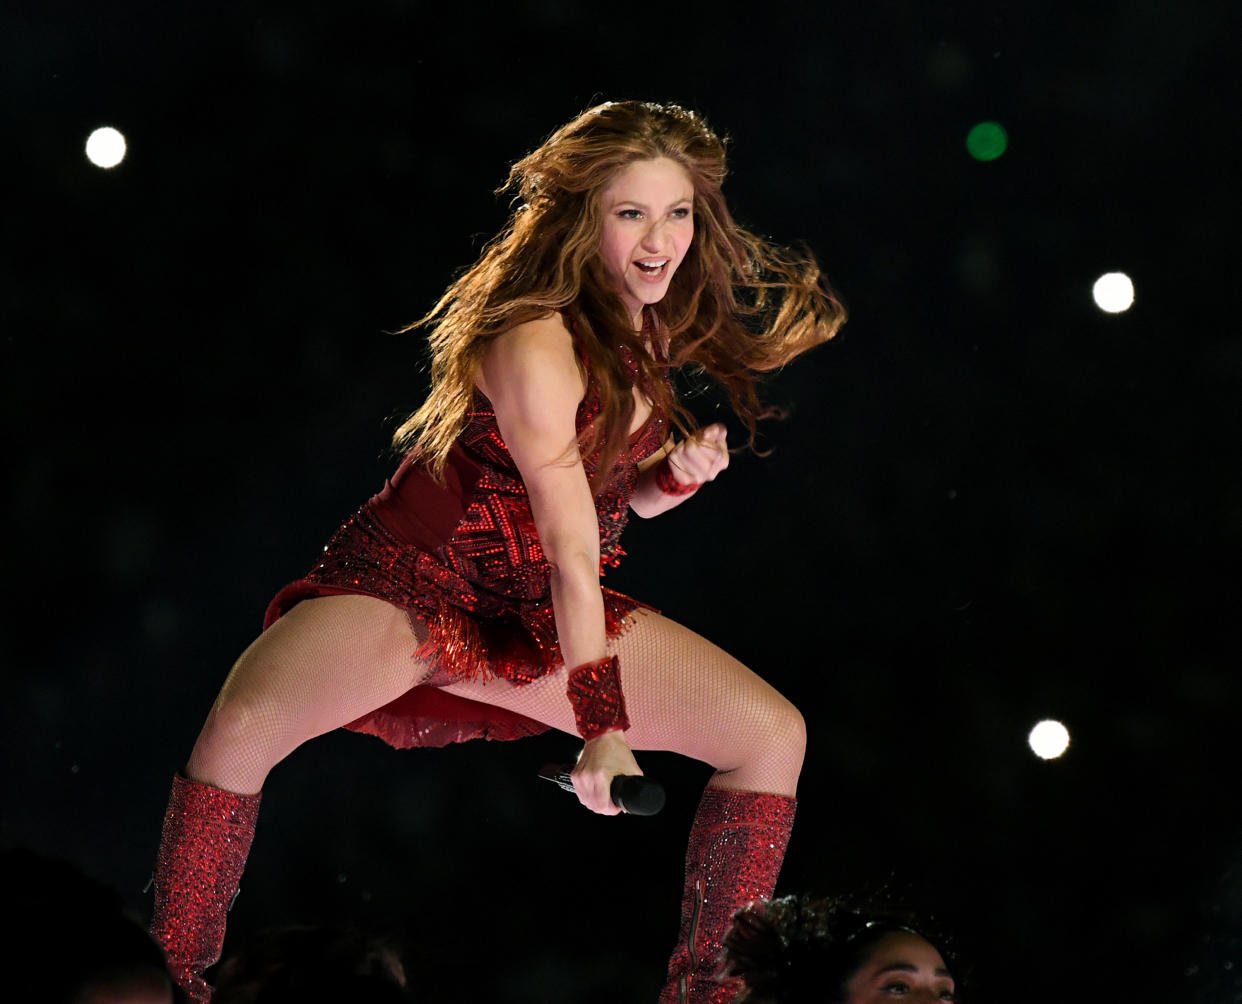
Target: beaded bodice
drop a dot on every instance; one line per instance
(464, 554)
(495, 545)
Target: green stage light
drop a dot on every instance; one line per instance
(987, 141)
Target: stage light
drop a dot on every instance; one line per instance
(987, 141)
(105, 147)
(1049, 739)
(1113, 292)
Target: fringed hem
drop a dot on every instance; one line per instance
(426, 716)
(518, 644)
(519, 648)
(460, 646)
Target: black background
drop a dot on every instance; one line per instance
(992, 503)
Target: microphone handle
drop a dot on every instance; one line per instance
(633, 794)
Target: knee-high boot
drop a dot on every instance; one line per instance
(737, 844)
(203, 848)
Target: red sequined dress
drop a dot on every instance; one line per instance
(464, 560)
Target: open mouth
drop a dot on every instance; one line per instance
(652, 268)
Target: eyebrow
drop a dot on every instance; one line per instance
(906, 967)
(643, 205)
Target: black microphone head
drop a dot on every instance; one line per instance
(636, 795)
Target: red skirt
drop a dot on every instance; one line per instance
(515, 641)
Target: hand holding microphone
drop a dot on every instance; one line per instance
(631, 793)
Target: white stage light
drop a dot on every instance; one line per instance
(105, 147)
(1049, 739)
(1113, 292)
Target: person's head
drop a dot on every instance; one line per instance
(301, 963)
(899, 963)
(617, 157)
(619, 210)
(800, 949)
(74, 940)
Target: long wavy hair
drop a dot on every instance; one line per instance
(737, 305)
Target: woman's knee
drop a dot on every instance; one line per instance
(798, 728)
(244, 725)
(767, 755)
(768, 731)
(786, 729)
(240, 721)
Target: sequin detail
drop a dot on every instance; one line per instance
(594, 691)
(737, 844)
(484, 594)
(669, 484)
(203, 848)
(473, 632)
(464, 560)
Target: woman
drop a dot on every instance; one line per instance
(797, 949)
(464, 599)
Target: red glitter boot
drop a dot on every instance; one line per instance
(207, 835)
(737, 844)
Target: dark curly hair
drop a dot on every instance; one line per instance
(309, 963)
(798, 948)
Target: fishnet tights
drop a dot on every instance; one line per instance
(686, 695)
(330, 660)
(323, 664)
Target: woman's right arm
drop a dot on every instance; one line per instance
(671, 476)
(530, 374)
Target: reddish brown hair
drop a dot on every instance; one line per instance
(736, 306)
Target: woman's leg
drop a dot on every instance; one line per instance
(685, 694)
(325, 663)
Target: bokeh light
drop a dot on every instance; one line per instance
(105, 147)
(1113, 292)
(987, 141)
(1049, 739)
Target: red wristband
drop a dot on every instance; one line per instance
(668, 484)
(594, 691)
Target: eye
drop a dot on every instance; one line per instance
(947, 994)
(630, 214)
(680, 213)
(897, 988)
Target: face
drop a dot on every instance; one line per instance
(901, 968)
(648, 226)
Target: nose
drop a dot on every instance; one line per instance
(653, 237)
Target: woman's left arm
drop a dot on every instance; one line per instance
(667, 481)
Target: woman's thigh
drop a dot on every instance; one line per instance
(325, 663)
(683, 694)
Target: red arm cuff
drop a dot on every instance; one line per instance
(595, 692)
(668, 484)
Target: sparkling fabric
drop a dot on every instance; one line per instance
(465, 561)
(472, 632)
(594, 690)
(203, 848)
(737, 845)
(669, 484)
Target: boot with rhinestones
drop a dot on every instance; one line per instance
(203, 848)
(737, 844)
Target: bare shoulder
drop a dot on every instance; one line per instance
(533, 352)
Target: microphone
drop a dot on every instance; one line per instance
(633, 794)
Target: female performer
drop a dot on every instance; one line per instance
(464, 599)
